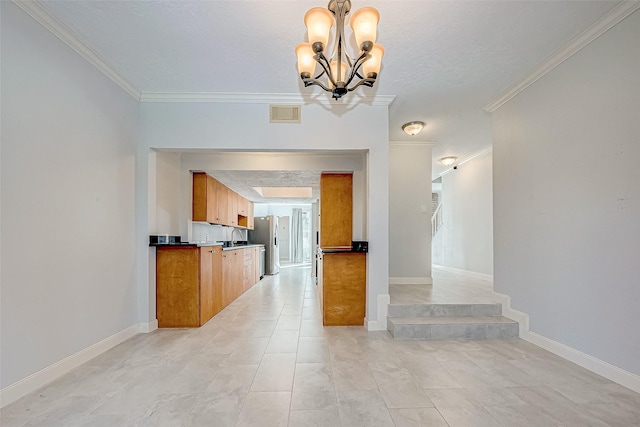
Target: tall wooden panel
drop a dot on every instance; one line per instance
(177, 287)
(217, 283)
(199, 199)
(336, 210)
(206, 283)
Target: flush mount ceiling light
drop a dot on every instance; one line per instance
(341, 70)
(449, 160)
(413, 128)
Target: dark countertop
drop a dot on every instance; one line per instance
(341, 251)
(203, 244)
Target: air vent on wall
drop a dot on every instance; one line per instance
(284, 113)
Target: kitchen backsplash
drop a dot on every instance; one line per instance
(203, 232)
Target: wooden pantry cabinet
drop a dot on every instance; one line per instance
(215, 203)
(342, 285)
(336, 210)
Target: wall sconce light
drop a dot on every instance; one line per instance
(449, 160)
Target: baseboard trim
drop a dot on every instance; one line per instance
(383, 311)
(510, 313)
(461, 271)
(611, 372)
(145, 328)
(44, 376)
(600, 367)
(410, 281)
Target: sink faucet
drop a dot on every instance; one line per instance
(233, 242)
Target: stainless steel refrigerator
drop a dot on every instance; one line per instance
(265, 232)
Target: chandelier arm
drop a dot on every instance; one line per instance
(316, 82)
(356, 67)
(365, 82)
(326, 67)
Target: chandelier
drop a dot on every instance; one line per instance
(343, 72)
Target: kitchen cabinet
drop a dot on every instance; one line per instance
(243, 206)
(248, 269)
(336, 210)
(232, 209)
(215, 203)
(250, 219)
(232, 271)
(245, 217)
(342, 278)
(194, 283)
(205, 198)
(188, 280)
(256, 264)
(223, 205)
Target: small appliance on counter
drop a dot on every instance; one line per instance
(359, 246)
(165, 239)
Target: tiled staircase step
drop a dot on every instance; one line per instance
(460, 327)
(423, 310)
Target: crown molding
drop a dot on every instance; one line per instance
(263, 98)
(34, 9)
(608, 21)
(411, 144)
(42, 16)
(468, 159)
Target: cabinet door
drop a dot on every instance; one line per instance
(344, 278)
(216, 262)
(199, 197)
(222, 195)
(232, 208)
(242, 206)
(177, 287)
(212, 200)
(336, 210)
(228, 287)
(250, 221)
(256, 265)
(206, 284)
(238, 270)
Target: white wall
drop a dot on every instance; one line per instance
(410, 212)
(68, 147)
(567, 199)
(167, 194)
(206, 126)
(465, 240)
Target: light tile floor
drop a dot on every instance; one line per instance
(266, 361)
(449, 287)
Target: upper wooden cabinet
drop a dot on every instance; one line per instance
(336, 211)
(215, 203)
(205, 198)
(243, 206)
(232, 208)
(223, 205)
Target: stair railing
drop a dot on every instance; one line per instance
(436, 220)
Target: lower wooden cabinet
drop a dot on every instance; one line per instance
(232, 275)
(187, 281)
(194, 283)
(342, 284)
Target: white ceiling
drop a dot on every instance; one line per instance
(444, 60)
(243, 181)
